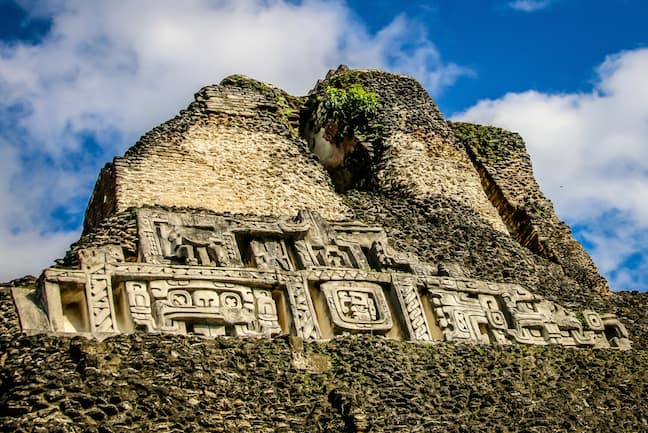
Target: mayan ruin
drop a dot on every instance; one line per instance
(344, 261)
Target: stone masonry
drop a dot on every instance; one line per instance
(229, 152)
(245, 268)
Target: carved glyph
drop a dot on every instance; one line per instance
(139, 304)
(303, 312)
(414, 317)
(203, 307)
(99, 298)
(357, 306)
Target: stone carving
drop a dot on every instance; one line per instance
(271, 254)
(466, 317)
(357, 306)
(186, 238)
(509, 313)
(100, 305)
(303, 312)
(615, 334)
(388, 259)
(201, 307)
(407, 291)
(223, 275)
(92, 258)
(139, 304)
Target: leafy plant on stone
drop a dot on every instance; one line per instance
(352, 109)
(581, 318)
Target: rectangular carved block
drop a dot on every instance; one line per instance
(412, 309)
(203, 307)
(356, 306)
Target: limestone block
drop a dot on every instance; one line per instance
(32, 317)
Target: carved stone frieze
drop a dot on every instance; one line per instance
(100, 300)
(305, 321)
(186, 238)
(406, 289)
(225, 275)
(466, 317)
(139, 305)
(271, 254)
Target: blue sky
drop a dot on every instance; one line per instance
(80, 81)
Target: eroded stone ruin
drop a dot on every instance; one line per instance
(255, 213)
(292, 262)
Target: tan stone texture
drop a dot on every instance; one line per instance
(229, 169)
(436, 166)
(506, 173)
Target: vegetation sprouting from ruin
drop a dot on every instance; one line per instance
(351, 108)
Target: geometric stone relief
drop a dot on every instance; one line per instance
(507, 313)
(225, 275)
(185, 238)
(99, 299)
(406, 289)
(202, 307)
(357, 306)
(304, 318)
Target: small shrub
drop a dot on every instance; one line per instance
(352, 108)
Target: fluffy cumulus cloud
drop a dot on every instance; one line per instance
(107, 71)
(529, 5)
(590, 154)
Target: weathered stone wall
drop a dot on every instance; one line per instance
(631, 308)
(103, 201)
(225, 169)
(505, 168)
(437, 196)
(469, 201)
(441, 230)
(175, 384)
(473, 207)
(414, 152)
(233, 150)
(116, 229)
(9, 323)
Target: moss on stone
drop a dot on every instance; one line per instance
(489, 142)
(145, 382)
(243, 81)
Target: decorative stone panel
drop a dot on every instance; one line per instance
(202, 307)
(224, 275)
(505, 313)
(357, 306)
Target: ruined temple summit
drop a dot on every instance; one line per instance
(321, 236)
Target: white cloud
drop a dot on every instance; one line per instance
(111, 70)
(590, 153)
(25, 248)
(529, 5)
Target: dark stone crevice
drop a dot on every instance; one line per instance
(517, 220)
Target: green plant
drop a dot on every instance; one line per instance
(285, 110)
(581, 318)
(352, 108)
